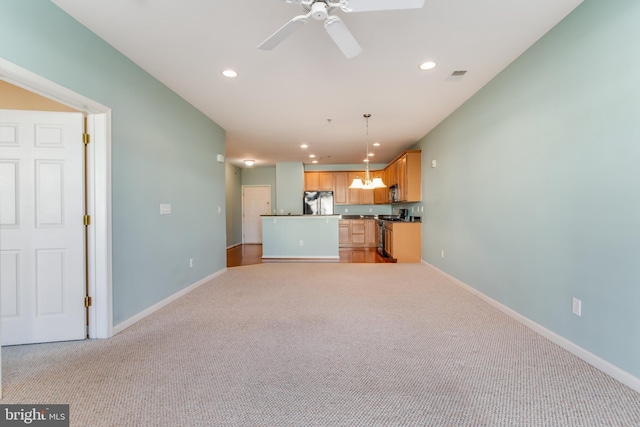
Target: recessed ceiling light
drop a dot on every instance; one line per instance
(314, 161)
(229, 73)
(303, 146)
(372, 154)
(366, 160)
(249, 162)
(429, 65)
(376, 144)
(312, 155)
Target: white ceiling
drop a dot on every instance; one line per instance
(284, 97)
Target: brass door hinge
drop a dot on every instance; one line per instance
(86, 138)
(87, 301)
(86, 220)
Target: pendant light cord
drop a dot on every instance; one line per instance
(366, 175)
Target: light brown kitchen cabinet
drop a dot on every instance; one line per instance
(344, 232)
(381, 195)
(340, 188)
(357, 233)
(325, 181)
(406, 172)
(370, 232)
(311, 181)
(318, 181)
(392, 172)
(354, 196)
(401, 171)
(410, 177)
(403, 241)
(368, 197)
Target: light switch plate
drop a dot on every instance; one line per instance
(165, 209)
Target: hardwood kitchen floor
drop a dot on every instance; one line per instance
(252, 254)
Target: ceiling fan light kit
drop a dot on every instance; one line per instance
(321, 10)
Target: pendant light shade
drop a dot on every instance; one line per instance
(367, 183)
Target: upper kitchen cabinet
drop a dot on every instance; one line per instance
(340, 188)
(406, 173)
(318, 181)
(311, 181)
(368, 197)
(355, 195)
(381, 195)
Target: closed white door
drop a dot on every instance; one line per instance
(256, 201)
(41, 227)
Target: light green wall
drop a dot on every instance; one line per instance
(289, 188)
(233, 179)
(300, 237)
(163, 151)
(536, 197)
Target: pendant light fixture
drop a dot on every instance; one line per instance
(368, 184)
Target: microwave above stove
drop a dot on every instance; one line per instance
(393, 193)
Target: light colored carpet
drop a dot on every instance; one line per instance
(321, 345)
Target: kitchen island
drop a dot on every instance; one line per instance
(300, 237)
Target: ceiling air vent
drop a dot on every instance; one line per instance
(459, 73)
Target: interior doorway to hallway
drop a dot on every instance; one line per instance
(98, 188)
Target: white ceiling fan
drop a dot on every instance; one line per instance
(321, 10)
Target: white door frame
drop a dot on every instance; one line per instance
(99, 188)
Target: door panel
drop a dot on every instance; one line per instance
(256, 201)
(41, 221)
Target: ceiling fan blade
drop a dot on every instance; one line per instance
(285, 31)
(342, 36)
(373, 5)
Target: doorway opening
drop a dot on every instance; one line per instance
(98, 188)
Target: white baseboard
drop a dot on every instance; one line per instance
(233, 246)
(134, 319)
(595, 361)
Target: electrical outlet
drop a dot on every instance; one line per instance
(441, 253)
(576, 307)
(190, 262)
(301, 243)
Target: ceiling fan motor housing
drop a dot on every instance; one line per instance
(319, 11)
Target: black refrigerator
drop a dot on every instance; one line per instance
(318, 203)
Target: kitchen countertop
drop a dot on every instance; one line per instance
(344, 216)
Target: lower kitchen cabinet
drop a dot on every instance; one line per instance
(403, 241)
(357, 233)
(344, 232)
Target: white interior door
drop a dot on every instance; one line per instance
(256, 201)
(41, 227)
